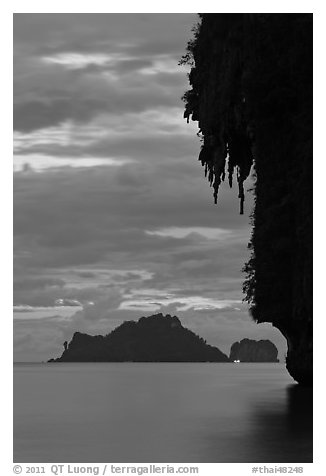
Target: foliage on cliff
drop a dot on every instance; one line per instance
(251, 93)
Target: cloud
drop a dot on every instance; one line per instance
(75, 218)
(208, 233)
(148, 137)
(69, 69)
(68, 302)
(181, 303)
(116, 242)
(145, 33)
(40, 312)
(32, 283)
(113, 217)
(82, 105)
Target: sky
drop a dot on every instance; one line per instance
(113, 217)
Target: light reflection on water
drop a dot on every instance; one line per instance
(160, 413)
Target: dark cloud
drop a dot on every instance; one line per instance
(28, 283)
(44, 33)
(81, 108)
(47, 92)
(86, 274)
(99, 217)
(33, 115)
(103, 209)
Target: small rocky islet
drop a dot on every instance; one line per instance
(248, 350)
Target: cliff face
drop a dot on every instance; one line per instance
(156, 338)
(251, 94)
(248, 350)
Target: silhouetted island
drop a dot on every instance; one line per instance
(156, 338)
(248, 350)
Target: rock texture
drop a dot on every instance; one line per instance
(251, 93)
(248, 350)
(156, 338)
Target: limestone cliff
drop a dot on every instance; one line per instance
(248, 350)
(251, 93)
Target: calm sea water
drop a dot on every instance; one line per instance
(164, 413)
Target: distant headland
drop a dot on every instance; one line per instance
(156, 338)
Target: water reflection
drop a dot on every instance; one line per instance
(283, 430)
(167, 413)
(276, 429)
(300, 409)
